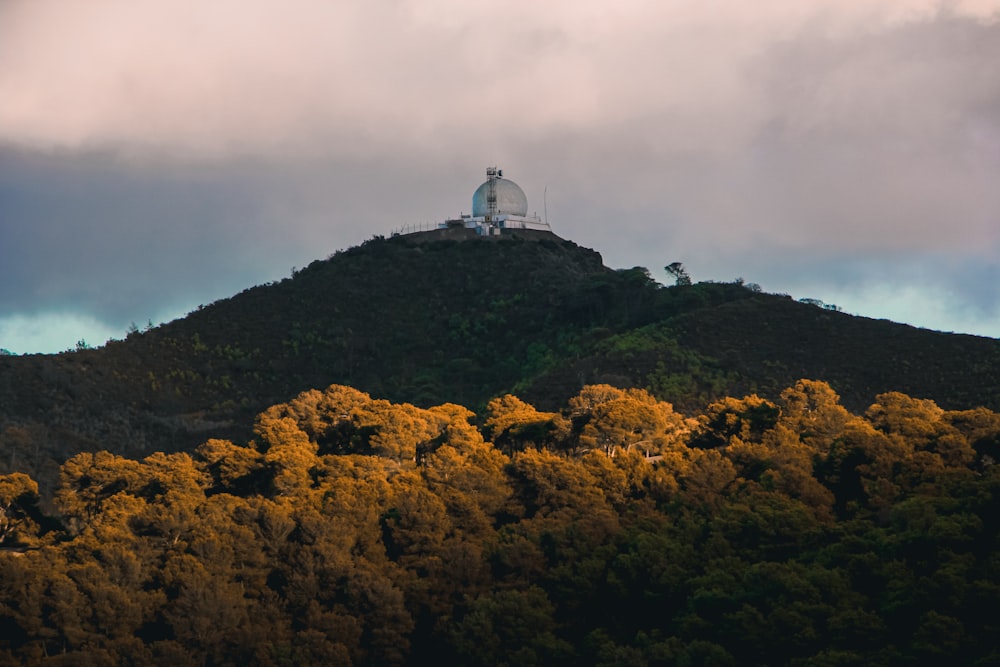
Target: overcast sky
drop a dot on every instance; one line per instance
(160, 154)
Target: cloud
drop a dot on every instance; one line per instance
(231, 77)
(157, 155)
(52, 332)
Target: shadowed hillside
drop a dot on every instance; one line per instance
(428, 320)
(761, 342)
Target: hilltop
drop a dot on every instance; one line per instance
(427, 319)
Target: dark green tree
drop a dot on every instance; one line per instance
(679, 273)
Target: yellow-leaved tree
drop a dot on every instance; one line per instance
(608, 419)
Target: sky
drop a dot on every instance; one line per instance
(157, 155)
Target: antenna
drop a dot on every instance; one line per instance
(545, 203)
(491, 193)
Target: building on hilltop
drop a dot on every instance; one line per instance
(498, 204)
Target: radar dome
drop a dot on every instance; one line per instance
(510, 199)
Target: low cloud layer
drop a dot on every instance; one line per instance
(154, 156)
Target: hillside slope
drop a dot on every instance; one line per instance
(425, 320)
(763, 343)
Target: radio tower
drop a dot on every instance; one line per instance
(492, 174)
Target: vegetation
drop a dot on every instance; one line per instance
(679, 273)
(613, 531)
(427, 321)
(642, 478)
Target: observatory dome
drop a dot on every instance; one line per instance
(510, 199)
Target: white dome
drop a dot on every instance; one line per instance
(510, 199)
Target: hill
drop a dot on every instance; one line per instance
(425, 320)
(737, 344)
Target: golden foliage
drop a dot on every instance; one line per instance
(357, 531)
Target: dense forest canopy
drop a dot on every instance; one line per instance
(614, 530)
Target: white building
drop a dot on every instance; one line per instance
(497, 204)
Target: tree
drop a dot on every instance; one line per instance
(680, 274)
(395, 431)
(18, 502)
(608, 418)
(231, 467)
(513, 424)
(812, 409)
(207, 611)
(324, 416)
(509, 627)
(289, 454)
(99, 488)
(730, 420)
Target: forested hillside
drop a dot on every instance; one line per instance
(613, 531)
(425, 320)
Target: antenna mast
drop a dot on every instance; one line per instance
(492, 174)
(545, 203)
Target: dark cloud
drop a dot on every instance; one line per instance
(90, 233)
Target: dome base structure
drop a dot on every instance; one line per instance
(499, 204)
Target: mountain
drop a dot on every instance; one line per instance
(432, 318)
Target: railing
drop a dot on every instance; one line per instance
(413, 229)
